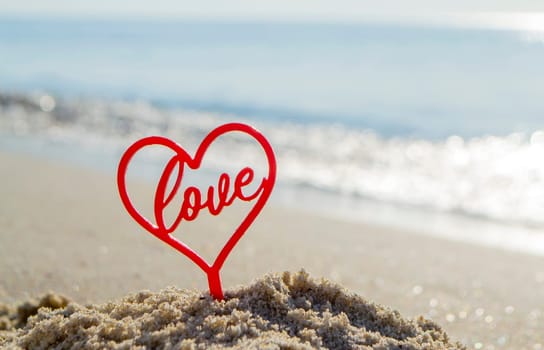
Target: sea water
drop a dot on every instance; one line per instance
(438, 130)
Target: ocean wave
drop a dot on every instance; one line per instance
(496, 177)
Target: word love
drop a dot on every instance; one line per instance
(194, 201)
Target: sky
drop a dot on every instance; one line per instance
(270, 9)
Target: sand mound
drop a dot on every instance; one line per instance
(289, 311)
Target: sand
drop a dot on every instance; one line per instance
(63, 229)
(291, 311)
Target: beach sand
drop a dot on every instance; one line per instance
(64, 229)
(275, 312)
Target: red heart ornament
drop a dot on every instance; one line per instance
(193, 201)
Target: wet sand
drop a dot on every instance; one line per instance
(64, 229)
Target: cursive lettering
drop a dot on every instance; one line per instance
(192, 199)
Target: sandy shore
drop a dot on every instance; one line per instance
(287, 311)
(63, 228)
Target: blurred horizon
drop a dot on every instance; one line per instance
(507, 14)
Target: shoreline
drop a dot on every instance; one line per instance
(82, 243)
(454, 227)
(452, 180)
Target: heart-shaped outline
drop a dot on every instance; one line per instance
(163, 233)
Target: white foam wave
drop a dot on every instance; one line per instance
(500, 178)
